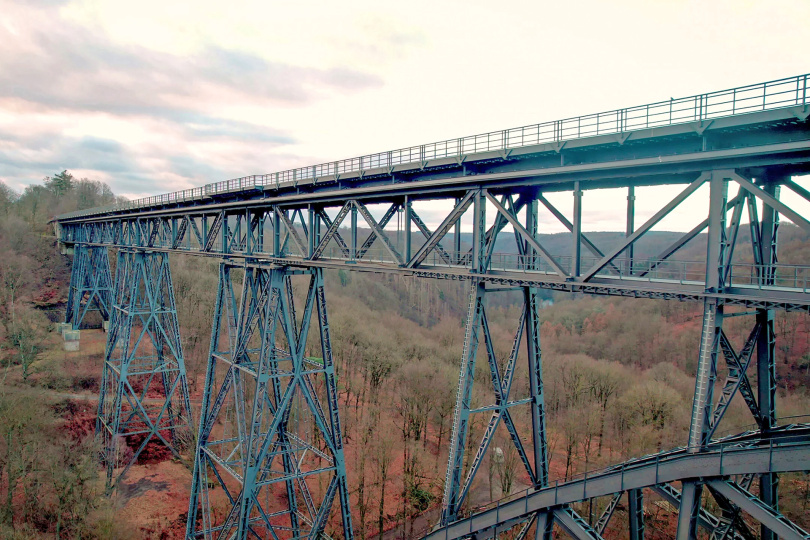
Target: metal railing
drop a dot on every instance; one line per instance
(774, 94)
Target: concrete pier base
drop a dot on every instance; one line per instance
(71, 340)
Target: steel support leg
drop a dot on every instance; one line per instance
(540, 456)
(710, 339)
(766, 363)
(90, 285)
(458, 438)
(459, 479)
(535, 460)
(269, 416)
(630, 227)
(635, 509)
(689, 511)
(532, 306)
(144, 393)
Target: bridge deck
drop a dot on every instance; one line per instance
(676, 122)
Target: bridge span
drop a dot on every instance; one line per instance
(736, 150)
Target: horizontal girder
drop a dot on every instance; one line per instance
(753, 297)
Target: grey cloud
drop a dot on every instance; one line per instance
(76, 69)
(203, 126)
(59, 66)
(193, 168)
(137, 182)
(55, 153)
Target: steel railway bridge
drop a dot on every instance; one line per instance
(270, 414)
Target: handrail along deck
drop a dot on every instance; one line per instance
(775, 94)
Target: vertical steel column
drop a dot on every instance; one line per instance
(259, 378)
(456, 258)
(408, 209)
(766, 362)
(313, 238)
(576, 233)
(353, 239)
(689, 510)
(709, 349)
(635, 509)
(90, 285)
(479, 247)
(461, 412)
(630, 228)
(532, 302)
(261, 219)
(144, 357)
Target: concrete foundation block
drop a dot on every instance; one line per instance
(61, 327)
(105, 325)
(71, 339)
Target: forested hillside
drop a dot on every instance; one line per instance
(618, 383)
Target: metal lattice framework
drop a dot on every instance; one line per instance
(263, 424)
(90, 285)
(723, 227)
(736, 149)
(535, 459)
(144, 393)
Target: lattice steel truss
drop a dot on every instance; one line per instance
(144, 394)
(733, 496)
(259, 368)
(269, 427)
(90, 285)
(714, 344)
(534, 458)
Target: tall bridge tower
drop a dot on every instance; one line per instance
(144, 393)
(263, 422)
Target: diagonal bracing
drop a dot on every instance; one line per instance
(144, 394)
(266, 428)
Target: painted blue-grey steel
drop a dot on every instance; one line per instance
(90, 285)
(635, 510)
(477, 327)
(275, 226)
(256, 371)
(144, 357)
(719, 461)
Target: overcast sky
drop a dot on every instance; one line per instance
(156, 96)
